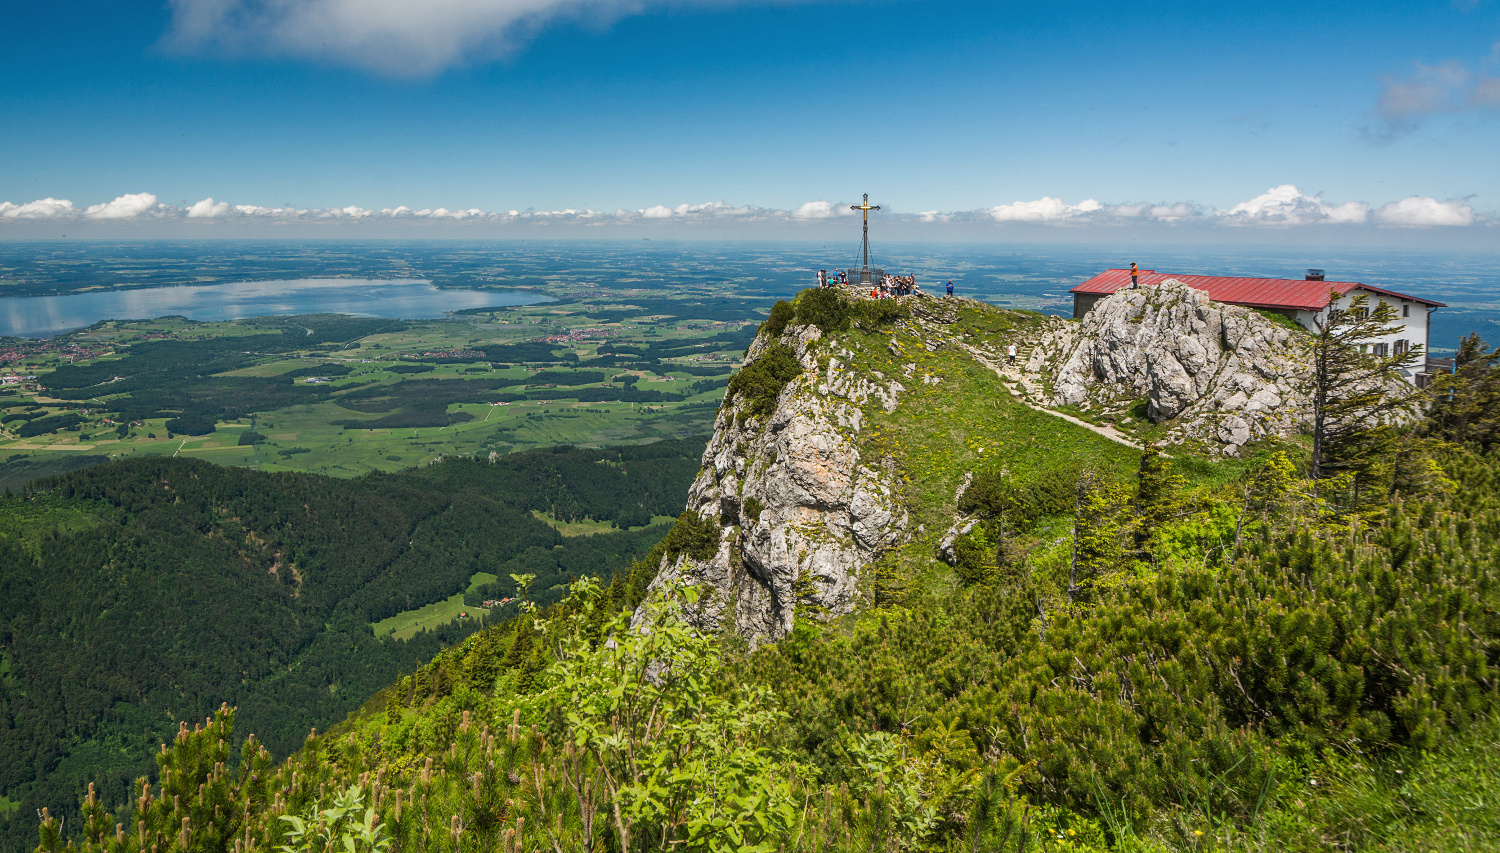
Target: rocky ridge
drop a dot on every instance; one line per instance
(804, 505)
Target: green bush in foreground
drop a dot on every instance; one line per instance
(1256, 703)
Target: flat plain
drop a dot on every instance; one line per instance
(625, 354)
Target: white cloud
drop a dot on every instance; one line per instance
(1045, 209)
(44, 208)
(1287, 206)
(815, 210)
(1090, 211)
(208, 209)
(1420, 212)
(350, 212)
(1179, 212)
(1451, 87)
(445, 213)
(1430, 89)
(395, 37)
(659, 211)
(128, 206)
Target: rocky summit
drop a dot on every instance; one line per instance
(860, 451)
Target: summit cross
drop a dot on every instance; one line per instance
(865, 243)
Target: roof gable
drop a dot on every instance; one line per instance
(1254, 292)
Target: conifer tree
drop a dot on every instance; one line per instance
(1267, 491)
(1466, 403)
(1359, 399)
(418, 687)
(1101, 527)
(1158, 496)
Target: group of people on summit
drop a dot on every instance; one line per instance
(896, 285)
(889, 286)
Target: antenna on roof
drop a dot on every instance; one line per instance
(1314, 275)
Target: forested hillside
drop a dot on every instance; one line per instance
(139, 592)
(1330, 681)
(1174, 654)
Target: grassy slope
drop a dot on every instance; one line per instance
(587, 527)
(968, 421)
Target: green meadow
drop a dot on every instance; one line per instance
(405, 625)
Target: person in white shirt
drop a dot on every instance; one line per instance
(1010, 353)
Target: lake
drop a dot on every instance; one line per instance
(398, 299)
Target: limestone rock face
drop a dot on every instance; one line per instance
(1225, 374)
(801, 514)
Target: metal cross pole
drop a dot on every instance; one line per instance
(865, 243)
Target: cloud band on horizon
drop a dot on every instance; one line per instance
(1279, 207)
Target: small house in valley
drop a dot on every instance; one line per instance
(1308, 301)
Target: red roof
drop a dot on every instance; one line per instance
(1254, 292)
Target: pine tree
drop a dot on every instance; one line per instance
(393, 704)
(1359, 399)
(1158, 496)
(1101, 527)
(1466, 403)
(1268, 491)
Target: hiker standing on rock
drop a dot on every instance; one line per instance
(950, 287)
(1135, 280)
(1010, 354)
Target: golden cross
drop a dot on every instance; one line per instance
(865, 242)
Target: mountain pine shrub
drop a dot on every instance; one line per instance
(761, 381)
(776, 322)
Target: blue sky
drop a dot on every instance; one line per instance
(1376, 122)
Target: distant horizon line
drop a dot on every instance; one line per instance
(1092, 242)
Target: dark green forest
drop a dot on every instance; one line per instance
(138, 592)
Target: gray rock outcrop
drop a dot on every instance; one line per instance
(801, 514)
(1224, 374)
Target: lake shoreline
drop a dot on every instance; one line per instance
(42, 317)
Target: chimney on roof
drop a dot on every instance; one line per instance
(1314, 275)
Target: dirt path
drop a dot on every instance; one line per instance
(1017, 380)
